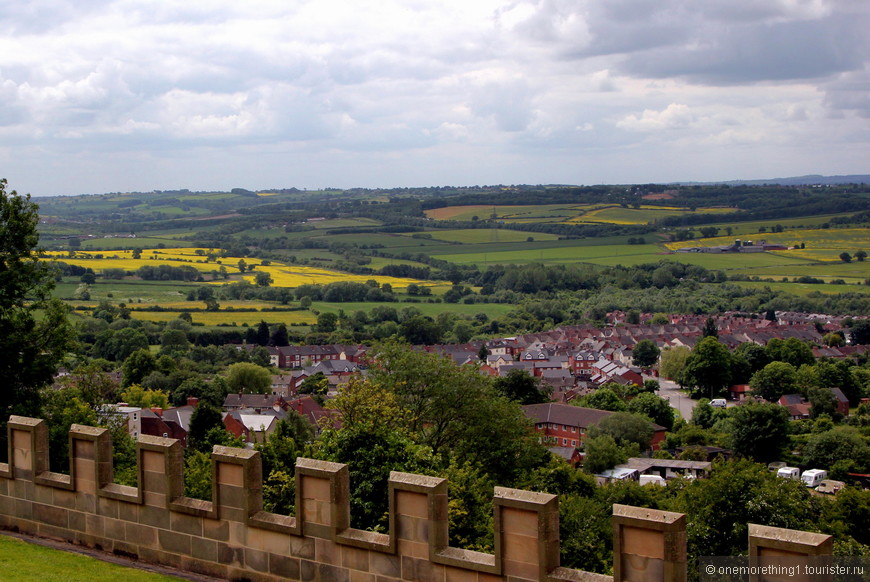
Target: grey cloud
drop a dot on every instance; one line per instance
(508, 103)
(850, 92)
(759, 52)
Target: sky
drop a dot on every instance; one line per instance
(139, 95)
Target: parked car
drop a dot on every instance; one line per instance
(718, 403)
(813, 477)
(830, 486)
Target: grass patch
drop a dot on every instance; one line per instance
(803, 289)
(26, 562)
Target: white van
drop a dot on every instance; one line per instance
(813, 477)
(652, 480)
(718, 403)
(789, 473)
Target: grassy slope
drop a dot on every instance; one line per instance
(25, 562)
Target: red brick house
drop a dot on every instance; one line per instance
(563, 425)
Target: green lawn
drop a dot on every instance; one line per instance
(25, 562)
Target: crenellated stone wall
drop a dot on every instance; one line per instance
(232, 537)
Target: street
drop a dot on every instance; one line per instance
(678, 399)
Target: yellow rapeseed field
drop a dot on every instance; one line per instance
(282, 275)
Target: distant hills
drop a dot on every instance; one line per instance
(808, 180)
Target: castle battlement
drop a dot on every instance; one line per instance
(232, 537)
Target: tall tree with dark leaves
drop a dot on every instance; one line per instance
(34, 332)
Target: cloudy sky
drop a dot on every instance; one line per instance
(136, 95)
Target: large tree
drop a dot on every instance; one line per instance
(34, 332)
(645, 354)
(774, 380)
(708, 369)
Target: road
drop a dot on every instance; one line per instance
(679, 399)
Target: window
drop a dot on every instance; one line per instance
(573, 429)
(573, 443)
(564, 441)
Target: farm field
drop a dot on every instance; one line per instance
(750, 229)
(819, 242)
(616, 214)
(570, 213)
(282, 275)
(474, 236)
(577, 254)
(805, 288)
(853, 272)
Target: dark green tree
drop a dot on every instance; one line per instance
(204, 419)
(655, 407)
(710, 328)
(645, 353)
(759, 431)
(774, 380)
(522, 387)
(708, 369)
(137, 366)
(626, 429)
(602, 399)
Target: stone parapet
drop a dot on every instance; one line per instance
(231, 536)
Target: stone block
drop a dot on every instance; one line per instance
(386, 565)
(525, 570)
(643, 542)
(358, 576)
(301, 547)
(155, 516)
(128, 511)
(329, 573)
(216, 529)
(153, 462)
(187, 524)
(413, 549)
(284, 566)
(315, 488)
(268, 541)
(115, 529)
(231, 474)
(412, 504)
(521, 548)
(421, 570)
(227, 554)
(327, 552)
(78, 521)
(64, 498)
(256, 560)
(143, 535)
(171, 541)
(56, 516)
(203, 549)
(641, 568)
(460, 575)
(517, 521)
(355, 559)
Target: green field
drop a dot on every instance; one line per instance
(28, 562)
(806, 289)
(473, 236)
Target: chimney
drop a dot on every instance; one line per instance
(192, 401)
(158, 411)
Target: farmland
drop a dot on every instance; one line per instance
(320, 238)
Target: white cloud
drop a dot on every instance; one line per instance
(522, 87)
(674, 116)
